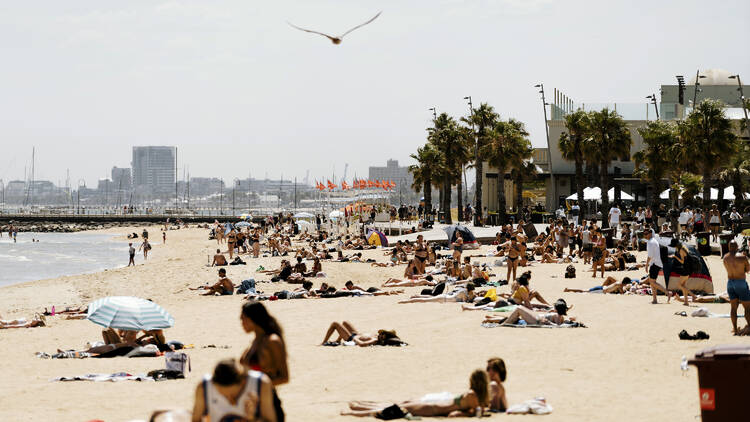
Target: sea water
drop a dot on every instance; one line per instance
(58, 254)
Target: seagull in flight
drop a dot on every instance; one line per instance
(335, 40)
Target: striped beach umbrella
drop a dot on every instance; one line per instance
(128, 313)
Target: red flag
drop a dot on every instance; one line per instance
(331, 186)
(385, 185)
(344, 186)
(362, 184)
(370, 184)
(391, 184)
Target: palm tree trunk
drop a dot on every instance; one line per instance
(656, 188)
(579, 184)
(478, 166)
(720, 196)
(441, 200)
(501, 215)
(739, 195)
(427, 198)
(706, 190)
(459, 199)
(604, 185)
(447, 199)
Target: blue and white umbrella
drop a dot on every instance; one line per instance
(242, 224)
(129, 313)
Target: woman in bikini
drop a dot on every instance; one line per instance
(497, 373)
(347, 332)
(267, 353)
(682, 268)
(533, 318)
(599, 252)
(255, 242)
(435, 404)
(420, 253)
(231, 242)
(458, 247)
(522, 295)
(514, 252)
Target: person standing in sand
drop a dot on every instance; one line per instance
(131, 252)
(654, 264)
(458, 246)
(737, 266)
(164, 237)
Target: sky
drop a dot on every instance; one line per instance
(240, 92)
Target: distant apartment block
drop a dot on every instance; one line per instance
(154, 168)
(394, 173)
(121, 178)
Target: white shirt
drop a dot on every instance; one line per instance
(654, 251)
(684, 217)
(560, 213)
(219, 407)
(614, 214)
(639, 216)
(735, 216)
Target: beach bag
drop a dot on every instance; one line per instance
(177, 361)
(247, 286)
(391, 412)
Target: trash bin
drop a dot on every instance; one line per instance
(608, 235)
(702, 243)
(724, 240)
(722, 373)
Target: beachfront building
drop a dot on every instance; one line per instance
(559, 174)
(392, 172)
(154, 168)
(121, 178)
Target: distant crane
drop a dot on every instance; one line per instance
(346, 168)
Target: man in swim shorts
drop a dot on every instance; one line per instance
(224, 286)
(737, 266)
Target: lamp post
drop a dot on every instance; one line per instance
(652, 97)
(434, 113)
(742, 99)
(697, 84)
(477, 167)
(221, 196)
(549, 150)
(234, 189)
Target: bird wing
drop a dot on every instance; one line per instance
(361, 25)
(310, 31)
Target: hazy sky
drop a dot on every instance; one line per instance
(239, 91)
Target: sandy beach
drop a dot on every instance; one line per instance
(624, 366)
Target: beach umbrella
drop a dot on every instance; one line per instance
(228, 228)
(335, 214)
(303, 214)
(592, 194)
(128, 313)
(375, 237)
(245, 216)
(466, 234)
(242, 224)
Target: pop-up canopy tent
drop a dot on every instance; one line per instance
(700, 278)
(595, 194)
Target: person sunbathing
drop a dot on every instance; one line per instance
(38, 321)
(522, 295)
(395, 282)
(497, 373)
(347, 332)
(374, 291)
(458, 295)
(434, 404)
(533, 318)
(223, 287)
(317, 268)
(219, 259)
(610, 285)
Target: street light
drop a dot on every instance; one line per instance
(477, 167)
(549, 151)
(653, 101)
(434, 113)
(742, 97)
(695, 92)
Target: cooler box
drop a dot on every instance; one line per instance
(723, 372)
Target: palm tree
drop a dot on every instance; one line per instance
(523, 171)
(708, 142)
(610, 139)
(572, 144)
(448, 140)
(502, 151)
(428, 166)
(734, 173)
(654, 162)
(482, 119)
(463, 156)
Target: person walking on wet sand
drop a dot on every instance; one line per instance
(737, 266)
(131, 251)
(164, 237)
(146, 247)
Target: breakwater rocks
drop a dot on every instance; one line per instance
(65, 227)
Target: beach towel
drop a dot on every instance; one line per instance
(64, 355)
(537, 406)
(509, 308)
(115, 377)
(566, 325)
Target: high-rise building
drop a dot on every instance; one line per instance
(121, 179)
(154, 168)
(392, 172)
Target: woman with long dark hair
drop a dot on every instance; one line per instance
(267, 353)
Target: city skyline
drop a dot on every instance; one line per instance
(237, 91)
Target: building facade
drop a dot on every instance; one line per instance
(121, 178)
(154, 168)
(392, 172)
